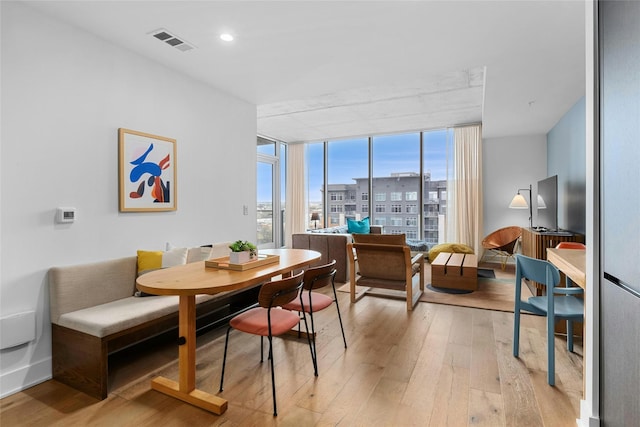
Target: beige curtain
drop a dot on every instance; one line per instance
(296, 203)
(464, 203)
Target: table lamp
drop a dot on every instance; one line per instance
(315, 217)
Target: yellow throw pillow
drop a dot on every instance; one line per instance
(449, 247)
(149, 260)
(153, 260)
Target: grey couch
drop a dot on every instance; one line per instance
(332, 244)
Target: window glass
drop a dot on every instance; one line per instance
(396, 171)
(266, 146)
(347, 175)
(315, 183)
(435, 183)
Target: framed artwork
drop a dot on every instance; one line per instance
(147, 172)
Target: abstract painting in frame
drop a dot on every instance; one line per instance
(147, 172)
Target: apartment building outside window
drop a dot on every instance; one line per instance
(402, 183)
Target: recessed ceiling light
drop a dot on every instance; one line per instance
(226, 37)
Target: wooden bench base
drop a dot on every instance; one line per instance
(81, 360)
(455, 271)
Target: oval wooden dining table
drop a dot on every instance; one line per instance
(192, 279)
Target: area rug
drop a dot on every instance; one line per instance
(487, 273)
(448, 290)
(492, 294)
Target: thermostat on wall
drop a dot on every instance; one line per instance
(64, 215)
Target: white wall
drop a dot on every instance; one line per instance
(510, 163)
(65, 93)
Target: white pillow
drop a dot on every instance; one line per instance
(198, 254)
(176, 256)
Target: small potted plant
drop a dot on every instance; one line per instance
(242, 251)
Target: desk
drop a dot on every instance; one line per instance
(571, 262)
(192, 279)
(535, 244)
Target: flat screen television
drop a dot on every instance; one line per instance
(547, 204)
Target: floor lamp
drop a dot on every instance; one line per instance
(519, 202)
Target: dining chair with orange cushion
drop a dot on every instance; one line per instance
(269, 320)
(312, 301)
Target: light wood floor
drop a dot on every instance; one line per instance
(439, 365)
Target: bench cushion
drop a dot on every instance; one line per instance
(115, 316)
(77, 287)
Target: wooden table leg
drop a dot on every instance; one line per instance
(185, 388)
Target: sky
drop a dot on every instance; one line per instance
(348, 159)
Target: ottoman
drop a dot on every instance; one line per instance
(455, 271)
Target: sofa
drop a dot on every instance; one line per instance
(332, 244)
(96, 311)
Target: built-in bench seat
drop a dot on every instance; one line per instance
(94, 313)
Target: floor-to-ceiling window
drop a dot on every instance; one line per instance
(270, 203)
(347, 167)
(435, 166)
(315, 185)
(396, 183)
(396, 193)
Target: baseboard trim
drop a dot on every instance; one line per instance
(25, 377)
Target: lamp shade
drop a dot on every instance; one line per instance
(541, 203)
(518, 202)
(315, 216)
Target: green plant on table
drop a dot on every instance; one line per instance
(243, 246)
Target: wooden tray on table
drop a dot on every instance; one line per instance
(224, 264)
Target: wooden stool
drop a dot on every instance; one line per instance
(455, 271)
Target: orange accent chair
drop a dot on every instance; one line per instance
(503, 242)
(311, 301)
(269, 319)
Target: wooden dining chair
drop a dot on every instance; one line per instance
(269, 320)
(555, 307)
(312, 301)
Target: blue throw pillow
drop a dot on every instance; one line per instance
(359, 227)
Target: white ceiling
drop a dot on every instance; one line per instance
(333, 69)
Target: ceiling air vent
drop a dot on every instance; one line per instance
(172, 40)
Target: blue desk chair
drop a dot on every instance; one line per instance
(563, 306)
